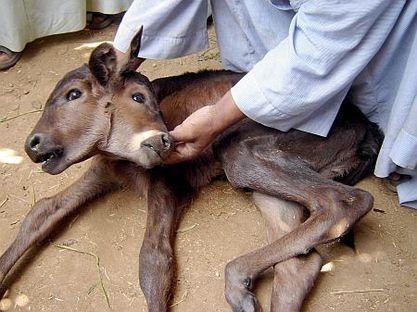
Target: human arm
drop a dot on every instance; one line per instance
(301, 82)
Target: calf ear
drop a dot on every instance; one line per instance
(132, 55)
(102, 63)
(135, 44)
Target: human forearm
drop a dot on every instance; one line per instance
(225, 114)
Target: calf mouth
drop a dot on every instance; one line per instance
(41, 148)
(50, 160)
(47, 158)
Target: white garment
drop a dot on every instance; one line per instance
(23, 21)
(108, 6)
(302, 58)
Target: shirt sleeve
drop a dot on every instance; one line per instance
(302, 82)
(171, 28)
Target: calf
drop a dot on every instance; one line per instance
(106, 111)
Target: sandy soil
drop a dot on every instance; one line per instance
(221, 224)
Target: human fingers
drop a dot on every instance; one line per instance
(182, 152)
(181, 134)
(174, 158)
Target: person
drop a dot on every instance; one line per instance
(24, 21)
(302, 58)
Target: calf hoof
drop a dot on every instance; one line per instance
(242, 301)
(237, 290)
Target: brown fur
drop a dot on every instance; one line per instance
(115, 117)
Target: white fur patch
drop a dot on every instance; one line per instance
(138, 138)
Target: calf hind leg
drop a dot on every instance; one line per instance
(333, 209)
(293, 278)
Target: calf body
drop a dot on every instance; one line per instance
(301, 181)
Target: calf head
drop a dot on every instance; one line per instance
(103, 107)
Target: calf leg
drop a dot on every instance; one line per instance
(156, 259)
(293, 278)
(333, 208)
(48, 212)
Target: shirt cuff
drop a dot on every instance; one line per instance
(124, 36)
(404, 150)
(251, 101)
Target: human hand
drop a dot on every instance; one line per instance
(193, 135)
(202, 127)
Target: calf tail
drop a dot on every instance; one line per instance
(367, 153)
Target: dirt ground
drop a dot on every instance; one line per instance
(221, 224)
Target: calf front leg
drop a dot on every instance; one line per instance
(156, 259)
(293, 278)
(48, 212)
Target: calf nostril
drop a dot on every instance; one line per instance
(149, 145)
(34, 142)
(166, 141)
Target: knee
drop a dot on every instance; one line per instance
(156, 257)
(236, 274)
(351, 208)
(364, 201)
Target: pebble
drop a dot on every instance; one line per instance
(22, 300)
(5, 304)
(328, 267)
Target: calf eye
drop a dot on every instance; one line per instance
(138, 97)
(73, 94)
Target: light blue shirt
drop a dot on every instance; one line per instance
(303, 57)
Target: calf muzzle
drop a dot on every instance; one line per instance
(41, 148)
(162, 144)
